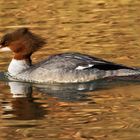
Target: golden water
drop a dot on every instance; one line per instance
(109, 29)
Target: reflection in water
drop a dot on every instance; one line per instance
(22, 105)
(65, 92)
(24, 109)
(20, 89)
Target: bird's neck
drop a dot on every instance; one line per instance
(17, 66)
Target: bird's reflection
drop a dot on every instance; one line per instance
(27, 109)
(24, 106)
(67, 92)
(19, 89)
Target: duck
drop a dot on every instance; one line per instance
(68, 67)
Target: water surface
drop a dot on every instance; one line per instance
(101, 110)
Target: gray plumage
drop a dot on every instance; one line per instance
(63, 68)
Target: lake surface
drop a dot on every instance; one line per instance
(101, 110)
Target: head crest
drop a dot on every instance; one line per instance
(22, 40)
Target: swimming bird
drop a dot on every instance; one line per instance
(69, 67)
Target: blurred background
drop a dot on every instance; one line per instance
(108, 29)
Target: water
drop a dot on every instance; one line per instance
(101, 110)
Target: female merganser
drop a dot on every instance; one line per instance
(60, 68)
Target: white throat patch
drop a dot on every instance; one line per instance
(17, 66)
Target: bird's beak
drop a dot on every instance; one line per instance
(4, 49)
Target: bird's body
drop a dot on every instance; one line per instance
(60, 68)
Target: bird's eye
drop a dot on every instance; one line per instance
(6, 43)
